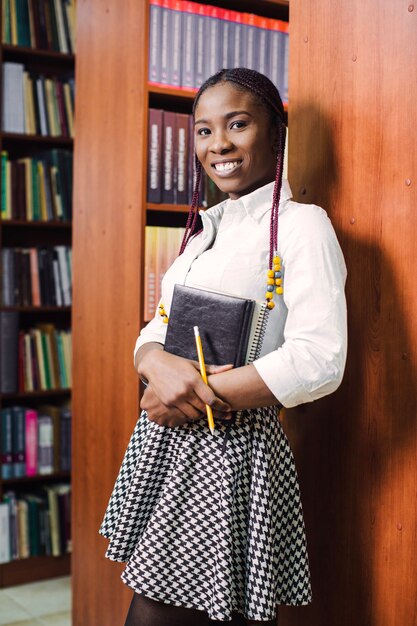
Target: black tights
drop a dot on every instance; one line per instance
(146, 612)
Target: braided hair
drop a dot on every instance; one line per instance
(267, 95)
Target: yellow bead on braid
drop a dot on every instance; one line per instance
(163, 314)
(274, 282)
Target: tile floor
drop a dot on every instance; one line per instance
(46, 603)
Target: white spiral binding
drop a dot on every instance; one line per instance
(258, 334)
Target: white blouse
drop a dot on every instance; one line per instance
(304, 349)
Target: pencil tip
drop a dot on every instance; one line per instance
(211, 430)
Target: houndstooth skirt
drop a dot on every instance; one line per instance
(212, 523)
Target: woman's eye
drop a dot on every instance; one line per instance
(203, 131)
(238, 124)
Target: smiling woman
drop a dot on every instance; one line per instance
(211, 526)
(235, 140)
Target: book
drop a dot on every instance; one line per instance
(5, 547)
(169, 133)
(31, 439)
(155, 133)
(181, 147)
(231, 328)
(45, 444)
(9, 332)
(6, 443)
(18, 441)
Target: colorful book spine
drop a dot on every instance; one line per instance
(6, 444)
(18, 441)
(31, 438)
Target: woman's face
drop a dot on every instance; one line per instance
(233, 140)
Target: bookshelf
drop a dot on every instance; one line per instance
(22, 233)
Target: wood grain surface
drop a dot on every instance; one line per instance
(107, 238)
(352, 110)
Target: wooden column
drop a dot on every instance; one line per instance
(352, 112)
(108, 238)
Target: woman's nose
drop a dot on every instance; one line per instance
(220, 143)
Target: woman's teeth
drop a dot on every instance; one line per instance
(225, 167)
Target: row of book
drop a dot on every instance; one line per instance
(170, 157)
(37, 188)
(35, 441)
(36, 276)
(190, 41)
(36, 523)
(162, 245)
(171, 166)
(41, 24)
(36, 104)
(36, 359)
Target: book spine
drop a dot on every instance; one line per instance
(3, 183)
(65, 440)
(13, 109)
(200, 47)
(181, 158)
(27, 364)
(164, 50)
(175, 44)
(6, 34)
(9, 329)
(285, 66)
(150, 272)
(225, 35)
(61, 360)
(6, 444)
(5, 547)
(155, 156)
(18, 435)
(31, 439)
(188, 18)
(169, 131)
(155, 25)
(214, 39)
(68, 355)
(262, 46)
(239, 40)
(45, 445)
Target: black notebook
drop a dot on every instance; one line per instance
(231, 328)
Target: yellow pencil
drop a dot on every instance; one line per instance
(203, 375)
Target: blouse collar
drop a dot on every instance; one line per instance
(254, 204)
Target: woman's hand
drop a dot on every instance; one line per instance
(176, 392)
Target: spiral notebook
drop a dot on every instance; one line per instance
(231, 328)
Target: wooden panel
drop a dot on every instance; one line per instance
(352, 150)
(107, 236)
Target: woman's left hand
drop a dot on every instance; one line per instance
(170, 417)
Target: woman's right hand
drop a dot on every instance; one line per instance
(176, 391)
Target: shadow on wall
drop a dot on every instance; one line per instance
(355, 450)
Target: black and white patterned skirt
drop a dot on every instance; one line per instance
(212, 523)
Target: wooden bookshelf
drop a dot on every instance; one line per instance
(22, 233)
(176, 208)
(33, 569)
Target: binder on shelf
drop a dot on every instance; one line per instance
(155, 155)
